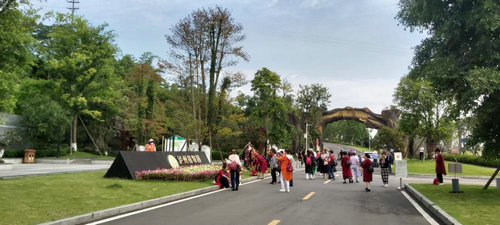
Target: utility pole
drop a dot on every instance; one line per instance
(72, 8)
(73, 145)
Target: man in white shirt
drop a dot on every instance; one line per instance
(354, 166)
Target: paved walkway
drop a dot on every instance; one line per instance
(309, 202)
(20, 170)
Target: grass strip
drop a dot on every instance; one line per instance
(32, 200)
(474, 206)
(428, 167)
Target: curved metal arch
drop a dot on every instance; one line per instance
(388, 118)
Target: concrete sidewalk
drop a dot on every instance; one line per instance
(21, 170)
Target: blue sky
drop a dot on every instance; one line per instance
(353, 47)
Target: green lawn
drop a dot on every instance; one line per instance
(82, 155)
(474, 206)
(32, 200)
(428, 167)
(363, 149)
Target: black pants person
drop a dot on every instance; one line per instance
(273, 175)
(440, 177)
(224, 182)
(235, 178)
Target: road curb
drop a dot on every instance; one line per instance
(435, 210)
(102, 214)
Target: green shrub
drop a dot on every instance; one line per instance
(216, 154)
(39, 153)
(475, 160)
(13, 153)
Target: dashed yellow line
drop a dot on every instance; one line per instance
(326, 182)
(274, 222)
(308, 196)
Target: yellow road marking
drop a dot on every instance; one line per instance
(308, 196)
(326, 182)
(274, 222)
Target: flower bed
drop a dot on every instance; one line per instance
(188, 173)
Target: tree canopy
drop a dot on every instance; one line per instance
(460, 58)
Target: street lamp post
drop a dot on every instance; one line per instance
(369, 136)
(307, 134)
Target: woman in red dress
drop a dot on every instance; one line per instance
(367, 174)
(261, 164)
(222, 177)
(440, 168)
(346, 167)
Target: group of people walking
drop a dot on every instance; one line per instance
(352, 165)
(280, 162)
(322, 161)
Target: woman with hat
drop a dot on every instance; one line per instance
(150, 146)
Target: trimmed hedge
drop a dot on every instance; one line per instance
(475, 160)
(39, 153)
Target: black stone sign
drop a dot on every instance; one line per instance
(127, 163)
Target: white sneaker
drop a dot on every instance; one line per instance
(441, 183)
(288, 190)
(282, 190)
(386, 185)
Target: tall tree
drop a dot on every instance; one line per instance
(312, 101)
(223, 34)
(461, 58)
(461, 55)
(81, 60)
(207, 38)
(424, 113)
(145, 110)
(387, 138)
(17, 23)
(270, 108)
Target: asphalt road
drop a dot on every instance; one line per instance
(337, 147)
(262, 203)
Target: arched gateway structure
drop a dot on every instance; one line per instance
(388, 118)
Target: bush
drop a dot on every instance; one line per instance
(39, 153)
(216, 154)
(475, 160)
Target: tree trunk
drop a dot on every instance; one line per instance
(491, 178)
(58, 148)
(191, 74)
(74, 123)
(431, 146)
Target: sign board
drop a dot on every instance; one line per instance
(455, 168)
(398, 156)
(127, 163)
(401, 169)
